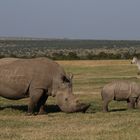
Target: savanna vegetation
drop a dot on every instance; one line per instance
(89, 78)
(66, 49)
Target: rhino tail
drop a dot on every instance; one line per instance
(102, 93)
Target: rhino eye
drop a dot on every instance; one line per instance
(66, 99)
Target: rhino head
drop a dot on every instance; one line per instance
(66, 100)
(69, 103)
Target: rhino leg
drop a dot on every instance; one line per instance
(131, 103)
(138, 73)
(35, 96)
(138, 103)
(41, 104)
(105, 105)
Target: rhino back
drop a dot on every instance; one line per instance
(135, 89)
(122, 90)
(118, 90)
(14, 79)
(108, 91)
(19, 74)
(45, 72)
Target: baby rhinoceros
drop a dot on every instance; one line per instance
(121, 91)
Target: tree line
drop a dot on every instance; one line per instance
(63, 49)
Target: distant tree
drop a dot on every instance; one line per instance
(102, 55)
(89, 56)
(72, 56)
(58, 56)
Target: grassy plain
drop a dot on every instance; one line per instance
(89, 78)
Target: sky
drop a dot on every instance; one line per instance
(73, 19)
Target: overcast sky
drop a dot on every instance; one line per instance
(77, 19)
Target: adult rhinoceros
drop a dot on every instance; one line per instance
(37, 79)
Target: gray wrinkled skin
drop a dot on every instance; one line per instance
(34, 78)
(69, 103)
(121, 91)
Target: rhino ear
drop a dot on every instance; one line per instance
(70, 76)
(65, 79)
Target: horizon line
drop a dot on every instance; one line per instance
(59, 38)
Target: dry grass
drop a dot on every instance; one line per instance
(89, 77)
(93, 63)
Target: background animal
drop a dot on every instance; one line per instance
(136, 61)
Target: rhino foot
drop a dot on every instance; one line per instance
(42, 113)
(30, 114)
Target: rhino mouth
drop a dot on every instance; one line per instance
(81, 107)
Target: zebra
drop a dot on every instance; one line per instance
(136, 61)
